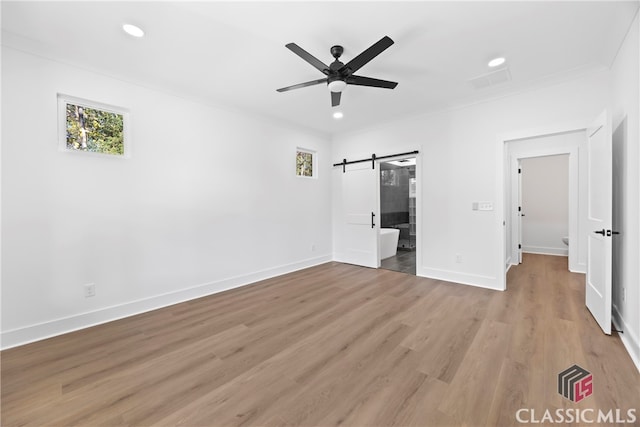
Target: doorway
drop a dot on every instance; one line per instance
(591, 221)
(398, 220)
(357, 219)
(544, 215)
(546, 146)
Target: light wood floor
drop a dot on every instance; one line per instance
(330, 345)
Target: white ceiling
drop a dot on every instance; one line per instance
(233, 53)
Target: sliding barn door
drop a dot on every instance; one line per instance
(357, 216)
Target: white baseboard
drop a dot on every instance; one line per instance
(507, 264)
(580, 268)
(37, 332)
(477, 280)
(628, 337)
(541, 250)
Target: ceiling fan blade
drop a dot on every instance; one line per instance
(299, 85)
(335, 98)
(368, 81)
(319, 65)
(359, 61)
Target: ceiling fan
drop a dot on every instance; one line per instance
(339, 75)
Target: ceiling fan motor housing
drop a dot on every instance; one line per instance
(336, 51)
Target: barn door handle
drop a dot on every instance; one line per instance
(373, 224)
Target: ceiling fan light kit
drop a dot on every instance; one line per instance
(337, 85)
(339, 75)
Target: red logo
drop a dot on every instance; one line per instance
(575, 383)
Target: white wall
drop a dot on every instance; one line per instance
(625, 75)
(460, 165)
(545, 204)
(208, 200)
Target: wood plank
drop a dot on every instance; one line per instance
(335, 344)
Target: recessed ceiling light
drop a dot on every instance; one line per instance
(496, 62)
(132, 30)
(404, 162)
(338, 115)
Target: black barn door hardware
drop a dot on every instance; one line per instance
(371, 159)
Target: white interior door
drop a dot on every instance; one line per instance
(359, 217)
(520, 213)
(599, 192)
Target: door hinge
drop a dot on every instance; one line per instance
(519, 246)
(519, 170)
(519, 208)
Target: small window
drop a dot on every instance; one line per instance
(305, 163)
(91, 127)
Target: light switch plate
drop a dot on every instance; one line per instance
(482, 206)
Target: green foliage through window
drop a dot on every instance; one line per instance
(304, 163)
(93, 130)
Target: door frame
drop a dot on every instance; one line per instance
(573, 199)
(418, 157)
(419, 240)
(503, 165)
(516, 217)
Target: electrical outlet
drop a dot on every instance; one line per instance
(458, 258)
(89, 290)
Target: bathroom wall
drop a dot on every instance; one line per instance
(545, 204)
(394, 199)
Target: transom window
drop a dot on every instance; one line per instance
(305, 163)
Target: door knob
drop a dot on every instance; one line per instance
(600, 232)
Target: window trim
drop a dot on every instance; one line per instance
(64, 100)
(314, 162)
